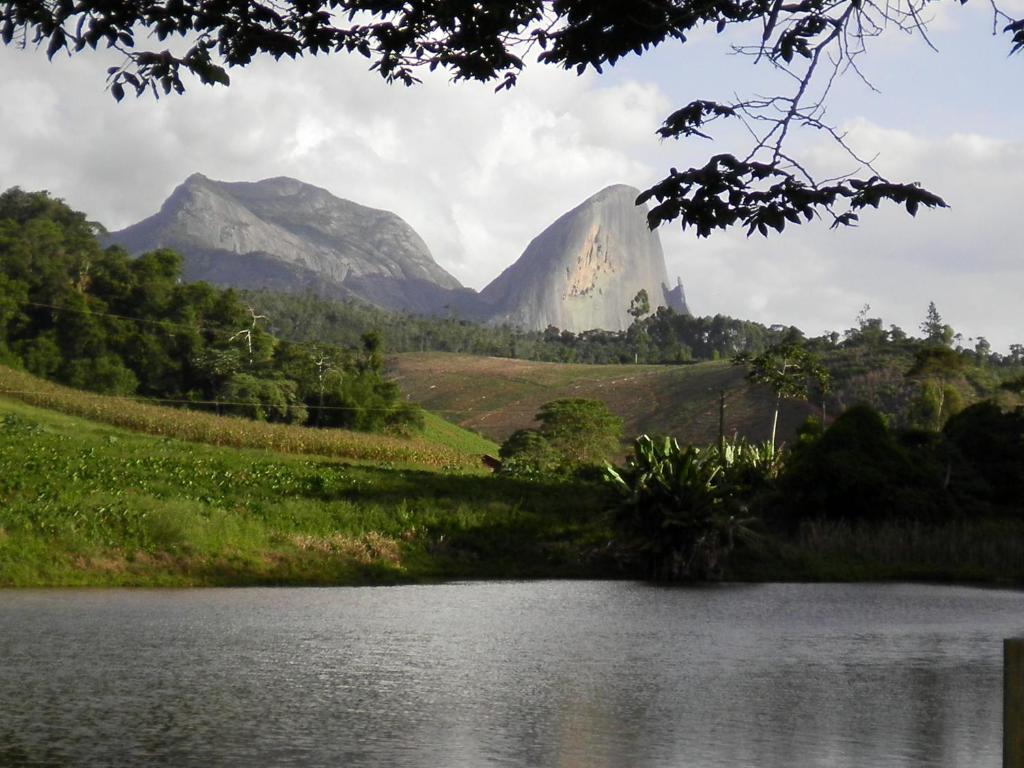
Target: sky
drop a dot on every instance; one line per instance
(479, 174)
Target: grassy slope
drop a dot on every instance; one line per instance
(83, 503)
(496, 396)
(442, 445)
(87, 503)
(442, 432)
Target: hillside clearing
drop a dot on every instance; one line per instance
(495, 396)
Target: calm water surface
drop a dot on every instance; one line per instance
(526, 675)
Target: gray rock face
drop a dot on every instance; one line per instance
(283, 234)
(583, 271)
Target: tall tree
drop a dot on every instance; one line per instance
(790, 369)
(934, 329)
(638, 307)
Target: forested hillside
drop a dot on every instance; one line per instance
(96, 319)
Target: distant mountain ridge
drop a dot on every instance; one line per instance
(282, 234)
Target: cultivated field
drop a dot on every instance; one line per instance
(442, 446)
(496, 396)
(86, 503)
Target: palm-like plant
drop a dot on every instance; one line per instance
(677, 513)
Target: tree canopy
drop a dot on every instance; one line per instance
(761, 186)
(97, 319)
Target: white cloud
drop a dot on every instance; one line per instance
(966, 258)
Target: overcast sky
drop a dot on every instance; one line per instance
(479, 174)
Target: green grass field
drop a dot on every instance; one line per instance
(496, 396)
(83, 503)
(89, 502)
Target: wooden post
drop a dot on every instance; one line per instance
(1013, 703)
(721, 426)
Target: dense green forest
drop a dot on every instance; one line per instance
(97, 319)
(664, 337)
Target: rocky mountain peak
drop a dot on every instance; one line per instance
(583, 270)
(284, 234)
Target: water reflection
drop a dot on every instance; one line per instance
(510, 674)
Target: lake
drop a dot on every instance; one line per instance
(521, 674)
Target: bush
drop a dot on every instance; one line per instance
(527, 453)
(679, 511)
(105, 374)
(988, 456)
(580, 432)
(858, 471)
(263, 399)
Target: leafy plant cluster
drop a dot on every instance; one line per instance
(97, 319)
(573, 434)
(862, 471)
(681, 508)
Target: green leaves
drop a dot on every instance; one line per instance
(788, 368)
(678, 505)
(686, 121)
(762, 197)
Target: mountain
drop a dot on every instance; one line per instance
(280, 234)
(283, 234)
(583, 271)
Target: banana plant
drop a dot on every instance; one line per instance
(675, 510)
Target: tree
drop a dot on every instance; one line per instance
(935, 369)
(527, 452)
(582, 432)
(789, 369)
(934, 329)
(638, 307)
(858, 471)
(761, 185)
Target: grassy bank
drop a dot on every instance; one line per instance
(83, 503)
(86, 503)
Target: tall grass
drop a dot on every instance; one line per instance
(204, 427)
(967, 549)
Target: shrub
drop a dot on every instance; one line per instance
(858, 471)
(678, 513)
(263, 399)
(988, 455)
(527, 453)
(581, 432)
